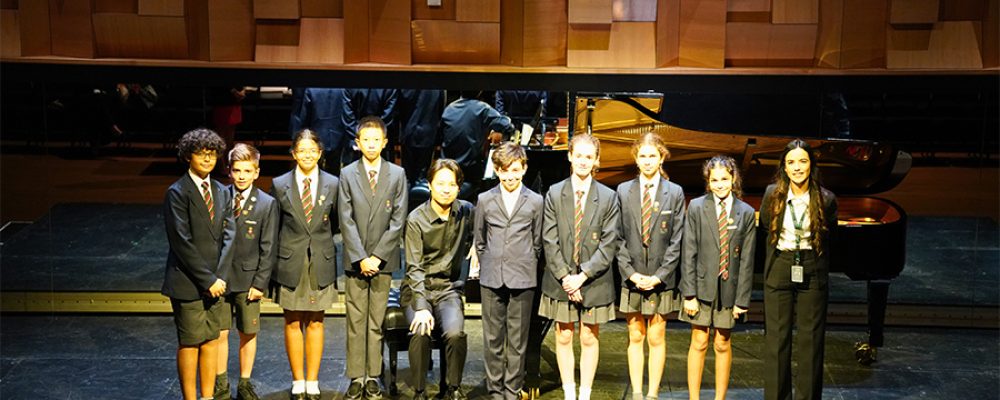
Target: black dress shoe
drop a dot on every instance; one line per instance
(373, 391)
(222, 388)
(312, 396)
(355, 391)
(246, 391)
(419, 396)
(298, 396)
(455, 393)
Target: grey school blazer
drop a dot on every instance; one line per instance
(700, 265)
(296, 237)
(372, 225)
(255, 245)
(663, 256)
(508, 246)
(199, 247)
(599, 244)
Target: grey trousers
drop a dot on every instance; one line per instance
(506, 319)
(365, 302)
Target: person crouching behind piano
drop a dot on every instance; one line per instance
(580, 236)
(649, 259)
(438, 239)
(797, 217)
(508, 240)
(716, 269)
(302, 282)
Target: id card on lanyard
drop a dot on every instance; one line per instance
(797, 270)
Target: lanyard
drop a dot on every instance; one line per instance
(797, 222)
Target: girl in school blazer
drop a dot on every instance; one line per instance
(649, 259)
(306, 268)
(580, 238)
(717, 269)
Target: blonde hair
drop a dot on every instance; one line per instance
(652, 139)
(244, 152)
(586, 138)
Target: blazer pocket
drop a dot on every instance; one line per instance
(328, 252)
(664, 225)
(248, 266)
(285, 252)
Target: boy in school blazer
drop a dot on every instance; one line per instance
(508, 238)
(306, 268)
(372, 207)
(199, 232)
(256, 216)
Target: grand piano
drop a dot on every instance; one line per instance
(870, 242)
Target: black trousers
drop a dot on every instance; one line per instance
(806, 302)
(416, 161)
(449, 325)
(506, 319)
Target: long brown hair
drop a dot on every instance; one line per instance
(585, 138)
(817, 219)
(652, 139)
(727, 163)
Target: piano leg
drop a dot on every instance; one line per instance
(878, 296)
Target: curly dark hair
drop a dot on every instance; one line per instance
(198, 140)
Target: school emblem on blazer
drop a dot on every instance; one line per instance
(322, 198)
(388, 206)
(656, 206)
(593, 237)
(250, 225)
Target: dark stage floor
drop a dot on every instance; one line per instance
(132, 357)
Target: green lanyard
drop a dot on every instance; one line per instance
(797, 222)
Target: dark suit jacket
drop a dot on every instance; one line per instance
(419, 114)
(465, 124)
(663, 256)
(599, 245)
(763, 227)
(520, 103)
(700, 266)
(508, 246)
(254, 249)
(296, 237)
(372, 225)
(199, 247)
(320, 109)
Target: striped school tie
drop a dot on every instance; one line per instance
(723, 242)
(371, 180)
(236, 204)
(647, 213)
(577, 227)
(208, 200)
(307, 199)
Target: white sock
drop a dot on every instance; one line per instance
(312, 387)
(298, 387)
(569, 391)
(584, 393)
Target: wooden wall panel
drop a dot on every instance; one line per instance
(72, 28)
(991, 35)
(830, 30)
(477, 10)
(445, 11)
(322, 8)
(277, 41)
(795, 11)
(33, 18)
(10, 34)
(321, 40)
(913, 12)
(165, 8)
(755, 44)
(452, 42)
(633, 10)
(116, 6)
(620, 45)
(220, 30)
(512, 32)
(9, 5)
(702, 33)
(962, 10)
(389, 32)
(668, 25)
(545, 25)
(950, 45)
(749, 11)
(863, 44)
(124, 35)
(356, 25)
(276, 9)
(590, 11)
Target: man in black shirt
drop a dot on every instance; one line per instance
(438, 240)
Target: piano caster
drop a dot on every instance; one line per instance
(865, 353)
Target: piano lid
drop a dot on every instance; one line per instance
(617, 119)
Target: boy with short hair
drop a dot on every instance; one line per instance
(508, 240)
(255, 214)
(372, 206)
(199, 232)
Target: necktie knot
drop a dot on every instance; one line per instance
(579, 194)
(307, 181)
